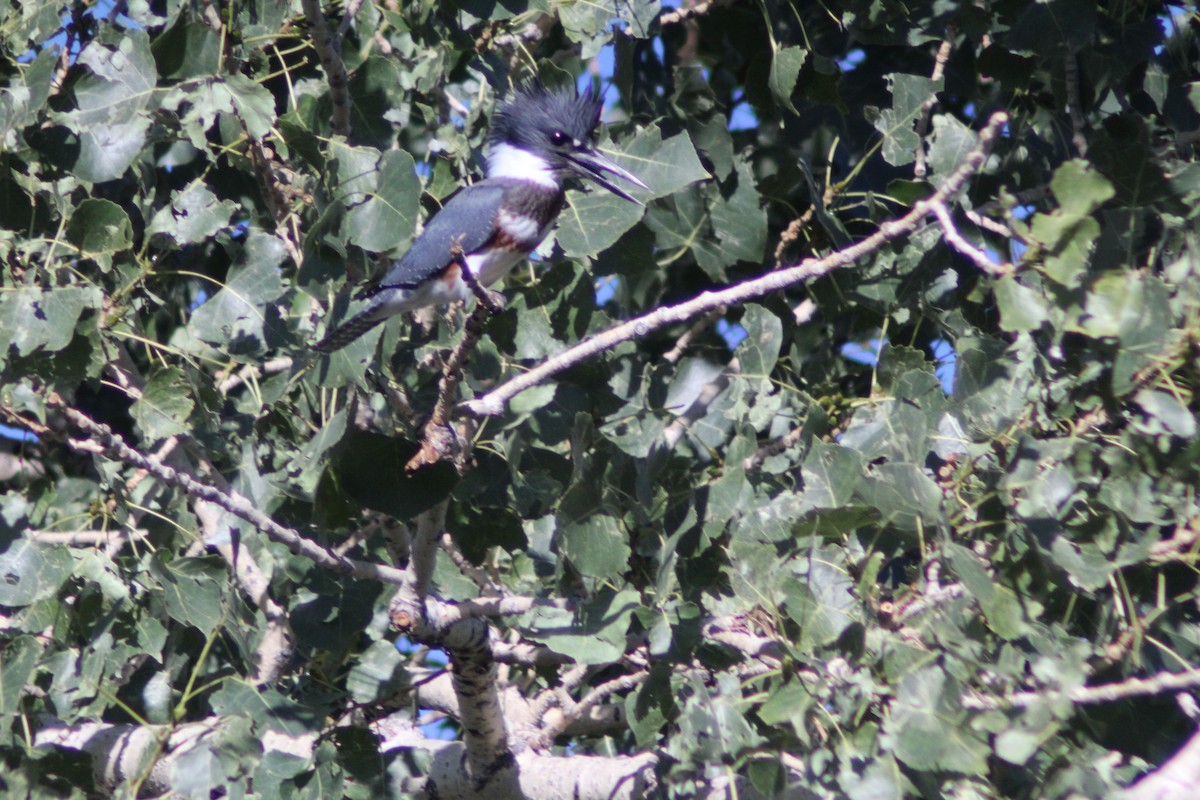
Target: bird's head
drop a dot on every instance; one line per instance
(547, 135)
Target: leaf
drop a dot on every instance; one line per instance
(383, 198)
(925, 728)
(785, 69)
(100, 227)
(739, 221)
(370, 468)
(1000, 607)
(33, 319)
(594, 635)
(1021, 308)
(253, 102)
(193, 216)
(192, 590)
(596, 546)
(112, 103)
(909, 93)
(306, 468)
(239, 317)
(164, 406)
(30, 572)
(1172, 414)
(593, 221)
(759, 351)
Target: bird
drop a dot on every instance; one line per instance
(539, 139)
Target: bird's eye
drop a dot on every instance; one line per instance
(558, 138)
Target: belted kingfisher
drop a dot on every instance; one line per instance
(539, 138)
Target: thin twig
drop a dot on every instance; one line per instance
(955, 240)
(496, 401)
(83, 538)
(438, 440)
(673, 355)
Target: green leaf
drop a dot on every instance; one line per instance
(593, 221)
(925, 728)
(192, 590)
(596, 546)
(759, 351)
(739, 221)
(112, 104)
(785, 69)
(20, 657)
(30, 572)
(909, 93)
(240, 317)
(1021, 308)
(593, 635)
(100, 227)
(33, 319)
(1000, 606)
(164, 406)
(1080, 189)
(253, 102)
(1166, 408)
(194, 215)
(370, 468)
(383, 199)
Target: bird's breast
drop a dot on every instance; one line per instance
(520, 231)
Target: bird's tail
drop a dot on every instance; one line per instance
(345, 334)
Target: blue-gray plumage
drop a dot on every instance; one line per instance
(538, 139)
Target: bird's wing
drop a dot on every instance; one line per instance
(468, 220)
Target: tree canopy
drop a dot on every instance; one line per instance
(859, 459)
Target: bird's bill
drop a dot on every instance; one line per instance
(591, 164)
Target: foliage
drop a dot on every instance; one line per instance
(815, 576)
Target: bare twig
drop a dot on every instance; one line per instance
(352, 8)
(955, 240)
(477, 576)
(496, 401)
(1178, 547)
(13, 465)
(250, 372)
(673, 355)
(438, 439)
(83, 538)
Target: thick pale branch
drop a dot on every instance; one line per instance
(496, 401)
(543, 776)
(1178, 779)
(1091, 695)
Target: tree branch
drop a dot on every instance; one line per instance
(496, 401)
(103, 440)
(1093, 695)
(328, 50)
